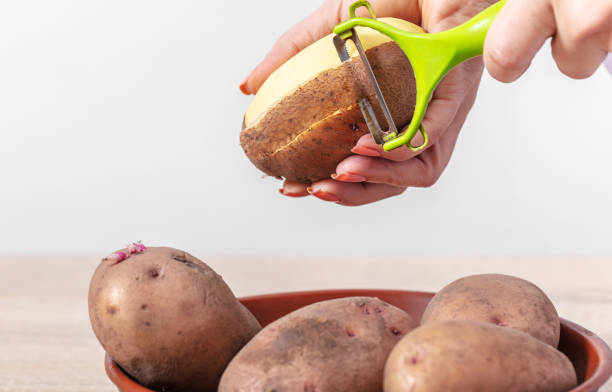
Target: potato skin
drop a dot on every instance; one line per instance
(331, 346)
(449, 356)
(498, 299)
(304, 136)
(168, 319)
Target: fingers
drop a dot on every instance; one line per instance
(314, 27)
(518, 32)
(421, 171)
(584, 36)
(340, 192)
(353, 194)
(441, 111)
(414, 172)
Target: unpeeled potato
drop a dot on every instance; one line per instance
(497, 299)
(338, 345)
(168, 319)
(460, 356)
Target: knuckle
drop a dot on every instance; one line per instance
(393, 175)
(431, 173)
(430, 180)
(288, 39)
(500, 62)
(593, 20)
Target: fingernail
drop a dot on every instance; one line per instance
(243, 85)
(243, 88)
(367, 151)
(348, 177)
(290, 194)
(324, 195)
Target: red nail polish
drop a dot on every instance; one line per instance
(291, 194)
(243, 88)
(243, 85)
(309, 190)
(367, 151)
(348, 177)
(326, 196)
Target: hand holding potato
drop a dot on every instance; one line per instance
(373, 174)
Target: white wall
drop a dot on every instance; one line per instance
(119, 121)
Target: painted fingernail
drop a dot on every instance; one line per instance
(367, 151)
(243, 86)
(323, 195)
(290, 194)
(348, 177)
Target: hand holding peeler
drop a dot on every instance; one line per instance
(432, 55)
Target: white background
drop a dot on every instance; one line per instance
(119, 121)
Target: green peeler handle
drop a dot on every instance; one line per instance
(469, 37)
(431, 55)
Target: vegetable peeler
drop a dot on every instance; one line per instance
(432, 55)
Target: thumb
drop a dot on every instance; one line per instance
(317, 25)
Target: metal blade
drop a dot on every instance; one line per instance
(371, 121)
(378, 134)
(340, 45)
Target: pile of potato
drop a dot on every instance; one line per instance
(173, 324)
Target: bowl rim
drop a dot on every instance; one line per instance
(601, 373)
(603, 370)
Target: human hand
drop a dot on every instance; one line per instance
(581, 31)
(373, 174)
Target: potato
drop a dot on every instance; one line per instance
(449, 356)
(305, 118)
(331, 346)
(498, 299)
(168, 319)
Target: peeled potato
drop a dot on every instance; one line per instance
(459, 356)
(497, 299)
(305, 118)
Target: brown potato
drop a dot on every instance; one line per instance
(305, 118)
(331, 346)
(498, 299)
(449, 356)
(168, 319)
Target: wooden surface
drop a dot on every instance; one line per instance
(46, 343)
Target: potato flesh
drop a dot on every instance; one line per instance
(304, 136)
(312, 60)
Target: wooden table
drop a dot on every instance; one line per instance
(46, 343)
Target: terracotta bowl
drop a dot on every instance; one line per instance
(590, 355)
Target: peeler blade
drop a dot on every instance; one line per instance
(380, 136)
(371, 121)
(340, 45)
